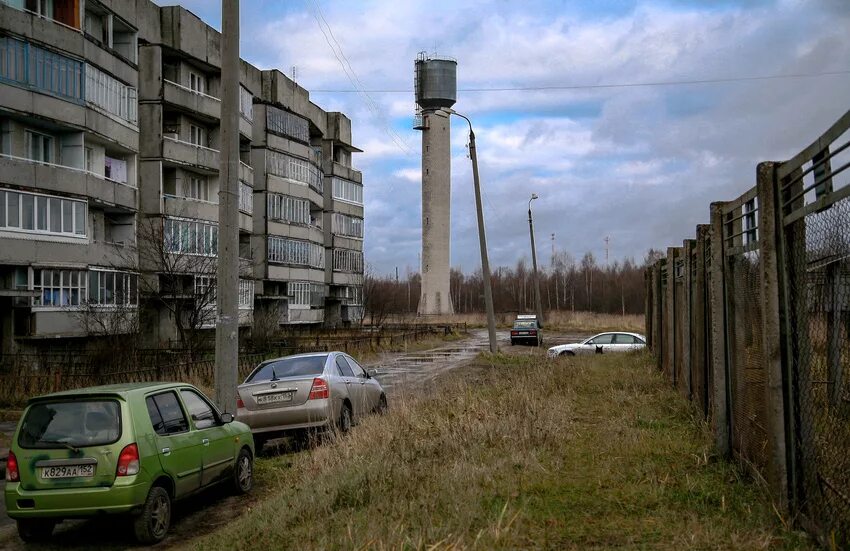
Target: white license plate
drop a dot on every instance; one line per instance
(274, 398)
(67, 471)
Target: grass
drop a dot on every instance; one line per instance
(562, 320)
(516, 452)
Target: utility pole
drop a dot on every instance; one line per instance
(227, 272)
(553, 252)
(537, 303)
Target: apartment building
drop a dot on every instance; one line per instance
(109, 135)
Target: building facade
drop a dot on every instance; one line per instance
(109, 130)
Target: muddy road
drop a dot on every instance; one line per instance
(401, 373)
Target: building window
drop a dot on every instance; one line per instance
(346, 260)
(111, 95)
(291, 251)
(351, 296)
(59, 288)
(246, 294)
(349, 226)
(190, 237)
(287, 124)
(89, 159)
(246, 198)
(197, 135)
(246, 104)
(293, 168)
(39, 146)
(44, 214)
(303, 295)
(115, 169)
(288, 209)
(113, 288)
(34, 67)
(196, 187)
(346, 190)
(197, 82)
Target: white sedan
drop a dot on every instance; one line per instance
(603, 343)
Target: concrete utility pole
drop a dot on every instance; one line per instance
(227, 273)
(537, 302)
(482, 238)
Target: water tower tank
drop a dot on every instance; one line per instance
(435, 82)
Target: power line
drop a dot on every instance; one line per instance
(602, 86)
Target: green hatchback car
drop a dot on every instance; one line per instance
(121, 449)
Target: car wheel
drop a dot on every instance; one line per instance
(344, 423)
(35, 529)
(243, 473)
(567, 353)
(153, 522)
(512, 342)
(382, 405)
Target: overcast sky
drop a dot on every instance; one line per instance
(638, 164)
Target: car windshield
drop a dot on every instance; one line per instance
(74, 424)
(525, 324)
(297, 366)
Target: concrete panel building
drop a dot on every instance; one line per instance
(109, 129)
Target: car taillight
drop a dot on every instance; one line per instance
(239, 402)
(12, 473)
(532, 332)
(514, 332)
(319, 390)
(128, 461)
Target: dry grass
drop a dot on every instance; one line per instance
(585, 322)
(516, 452)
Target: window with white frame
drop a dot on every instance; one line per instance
(42, 214)
(346, 190)
(196, 186)
(197, 135)
(246, 198)
(197, 82)
(190, 237)
(287, 124)
(115, 169)
(346, 260)
(294, 168)
(39, 146)
(56, 288)
(349, 226)
(113, 288)
(246, 294)
(205, 288)
(110, 94)
(292, 251)
(304, 294)
(351, 296)
(288, 209)
(246, 104)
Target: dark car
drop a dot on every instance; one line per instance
(526, 330)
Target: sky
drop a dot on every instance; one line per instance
(638, 164)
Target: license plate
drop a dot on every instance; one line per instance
(523, 332)
(67, 471)
(274, 398)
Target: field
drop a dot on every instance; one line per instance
(515, 452)
(563, 320)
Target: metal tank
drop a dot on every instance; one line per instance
(435, 82)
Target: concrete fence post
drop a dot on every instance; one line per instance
(647, 306)
(670, 317)
(657, 315)
(717, 305)
(771, 295)
(686, 385)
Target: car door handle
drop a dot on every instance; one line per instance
(362, 383)
(205, 441)
(166, 451)
(348, 382)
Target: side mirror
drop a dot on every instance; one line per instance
(226, 418)
(370, 373)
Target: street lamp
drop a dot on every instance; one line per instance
(482, 239)
(537, 302)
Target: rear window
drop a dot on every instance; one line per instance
(288, 367)
(78, 423)
(530, 324)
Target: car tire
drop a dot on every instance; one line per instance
(567, 353)
(35, 529)
(512, 342)
(382, 405)
(344, 422)
(243, 472)
(152, 524)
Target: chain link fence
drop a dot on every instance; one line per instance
(751, 321)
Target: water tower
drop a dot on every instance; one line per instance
(435, 84)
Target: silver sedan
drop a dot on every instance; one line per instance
(603, 343)
(306, 391)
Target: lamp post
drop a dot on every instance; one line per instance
(482, 239)
(537, 302)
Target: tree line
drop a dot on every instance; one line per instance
(565, 284)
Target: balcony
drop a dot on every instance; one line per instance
(186, 98)
(51, 177)
(186, 153)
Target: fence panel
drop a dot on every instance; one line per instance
(680, 307)
(815, 201)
